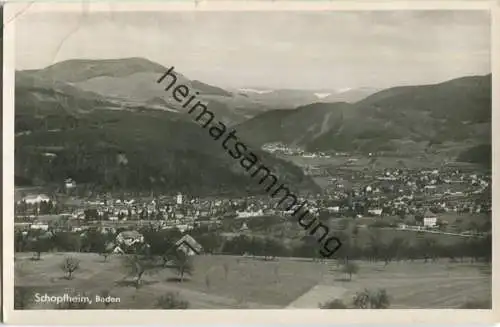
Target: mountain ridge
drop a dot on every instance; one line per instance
(127, 79)
(450, 111)
(457, 110)
(63, 131)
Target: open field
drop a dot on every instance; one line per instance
(254, 283)
(412, 237)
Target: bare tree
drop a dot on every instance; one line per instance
(350, 268)
(106, 250)
(183, 264)
(40, 244)
(362, 299)
(137, 265)
(105, 255)
(379, 300)
(171, 301)
(371, 299)
(69, 266)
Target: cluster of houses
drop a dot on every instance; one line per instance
(278, 147)
(133, 239)
(397, 192)
(130, 240)
(127, 240)
(448, 188)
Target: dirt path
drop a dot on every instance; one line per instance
(317, 295)
(418, 286)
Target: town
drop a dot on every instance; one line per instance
(398, 199)
(386, 216)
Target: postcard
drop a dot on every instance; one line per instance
(257, 162)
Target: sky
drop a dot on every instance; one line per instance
(296, 50)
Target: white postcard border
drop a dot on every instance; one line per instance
(296, 316)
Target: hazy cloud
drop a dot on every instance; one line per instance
(272, 49)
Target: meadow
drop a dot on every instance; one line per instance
(255, 283)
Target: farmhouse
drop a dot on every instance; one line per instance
(20, 226)
(430, 219)
(189, 245)
(244, 227)
(375, 212)
(107, 230)
(36, 198)
(334, 209)
(69, 183)
(129, 238)
(48, 221)
(40, 225)
(247, 214)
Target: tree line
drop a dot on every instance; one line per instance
(374, 248)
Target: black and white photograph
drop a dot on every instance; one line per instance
(214, 159)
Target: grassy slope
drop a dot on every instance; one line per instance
(256, 284)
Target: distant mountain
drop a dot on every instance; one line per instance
(291, 99)
(396, 119)
(62, 131)
(132, 81)
(350, 95)
(281, 98)
(466, 99)
(142, 88)
(78, 70)
(457, 111)
(31, 81)
(38, 95)
(408, 119)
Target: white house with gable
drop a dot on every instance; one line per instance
(430, 219)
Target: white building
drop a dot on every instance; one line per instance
(246, 214)
(375, 212)
(333, 209)
(244, 227)
(41, 226)
(35, 199)
(179, 199)
(69, 183)
(430, 219)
